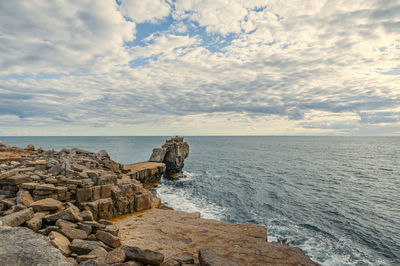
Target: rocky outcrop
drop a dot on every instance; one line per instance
(173, 154)
(66, 196)
(148, 173)
(176, 233)
(45, 180)
(21, 246)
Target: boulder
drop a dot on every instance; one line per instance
(48, 204)
(63, 224)
(85, 227)
(73, 233)
(143, 201)
(100, 254)
(108, 238)
(20, 246)
(60, 241)
(82, 247)
(145, 256)
(36, 222)
(87, 215)
(69, 214)
(112, 229)
(115, 256)
(24, 197)
(207, 257)
(17, 218)
(150, 257)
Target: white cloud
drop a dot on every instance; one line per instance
(144, 10)
(304, 67)
(62, 36)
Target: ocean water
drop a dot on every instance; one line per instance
(337, 198)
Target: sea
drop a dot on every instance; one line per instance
(336, 198)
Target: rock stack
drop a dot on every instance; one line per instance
(68, 196)
(173, 154)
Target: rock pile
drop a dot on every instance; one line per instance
(68, 196)
(173, 154)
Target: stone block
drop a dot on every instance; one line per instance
(105, 191)
(143, 201)
(106, 209)
(83, 194)
(96, 193)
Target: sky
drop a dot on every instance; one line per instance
(199, 67)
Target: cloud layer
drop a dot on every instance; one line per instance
(199, 67)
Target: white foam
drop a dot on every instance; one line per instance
(179, 199)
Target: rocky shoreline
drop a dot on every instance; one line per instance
(67, 198)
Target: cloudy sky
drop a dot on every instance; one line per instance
(200, 67)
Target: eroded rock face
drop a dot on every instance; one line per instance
(172, 154)
(21, 246)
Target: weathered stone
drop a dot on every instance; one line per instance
(149, 257)
(103, 154)
(106, 179)
(82, 247)
(108, 238)
(96, 192)
(36, 222)
(62, 224)
(73, 233)
(45, 187)
(77, 167)
(69, 214)
(87, 215)
(16, 180)
(8, 174)
(17, 218)
(143, 201)
(105, 191)
(24, 197)
(85, 227)
(48, 204)
(93, 207)
(106, 209)
(115, 256)
(95, 224)
(55, 170)
(100, 254)
(158, 155)
(131, 252)
(60, 241)
(112, 229)
(83, 194)
(20, 246)
(207, 257)
(29, 185)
